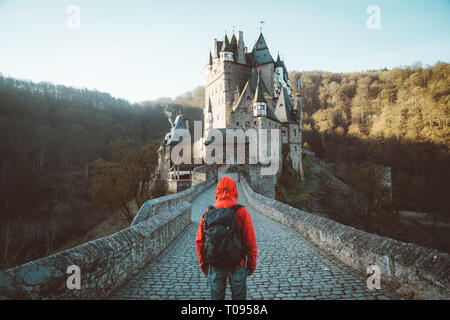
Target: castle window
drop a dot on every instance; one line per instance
(283, 133)
(237, 123)
(295, 148)
(247, 123)
(295, 132)
(254, 122)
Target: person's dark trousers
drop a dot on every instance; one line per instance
(218, 283)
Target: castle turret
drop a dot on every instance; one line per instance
(209, 66)
(216, 49)
(208, 115)
(234, 47)
(226, 54)
(278, 77)
(259, 102)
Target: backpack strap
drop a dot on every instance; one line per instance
(236, 207)
(204, 214)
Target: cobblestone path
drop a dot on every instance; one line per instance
(288, 267)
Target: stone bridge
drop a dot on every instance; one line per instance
(288, 266)
(300, 256)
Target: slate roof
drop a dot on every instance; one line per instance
(168, 138)
(259, 93)
(260, 54)
(278, 63)
(217, 48)
(223, 131)
(208, 106)
(225, 45)
(284, 110)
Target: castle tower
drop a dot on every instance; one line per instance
(208, 117)
(259, 102)
(277, 77)
(225, 76)
(250, 90)
(209, 66)
(226, 54)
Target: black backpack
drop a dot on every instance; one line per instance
(223, 245)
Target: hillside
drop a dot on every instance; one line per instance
(51, 135)
(325, 194)
(395, 118)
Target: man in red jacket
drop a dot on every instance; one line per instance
(226, 197)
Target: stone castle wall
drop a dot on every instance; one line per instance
(221, 84)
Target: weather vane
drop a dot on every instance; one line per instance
(261, 27)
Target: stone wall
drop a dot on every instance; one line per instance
(413, 271)
(262, 184)
(174, 185)
(105, 263)
(203, 173)
(166, 203)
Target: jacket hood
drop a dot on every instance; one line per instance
(226, 190)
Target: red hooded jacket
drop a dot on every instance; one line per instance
(226, 197)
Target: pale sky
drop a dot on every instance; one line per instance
(140, 50)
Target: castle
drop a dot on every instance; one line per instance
(250, 90)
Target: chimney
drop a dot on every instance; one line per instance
(215, 49)
(240, 37)
(241, 48)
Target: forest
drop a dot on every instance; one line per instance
(51, 136)
(395, 118)
(55, 138)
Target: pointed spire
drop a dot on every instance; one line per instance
(278, 63)
(281, 110)
(210, 62)
(259, 93)
(225, 45)
(260, 43)
(208, 106)
(233, 43)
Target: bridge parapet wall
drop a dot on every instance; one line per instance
(413, 271)
(104, 263)
(166, 203)
(202, 173)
